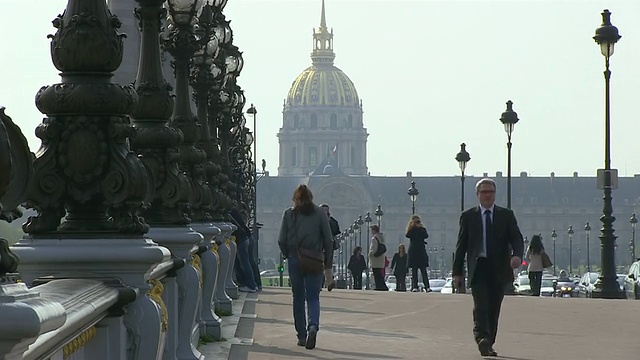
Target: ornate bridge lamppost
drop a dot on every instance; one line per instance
(360, 223)
(413, 195)
(554, 236)
(570, 233)
(356, 227)
(462, 158)
(509, 119)
(379, 213)
(367, 220)
(633, 221)
(587, 231)
(607, 285)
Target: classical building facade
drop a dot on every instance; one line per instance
(323, 144)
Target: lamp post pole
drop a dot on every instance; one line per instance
(367, 220)
(378, 213)
(254, 114)
(570, 232)
(360, 223)
(587, 230)
(356, 227)
(554, 236)
(633, 222)
(413, 195)
(607, 285)
(526, 244)
(351, 246)
(462, 158)
(509, 119)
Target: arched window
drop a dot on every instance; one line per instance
(353, 156)
(293, 156)
(296, 121)
(313, 156)
(334, 121)
(350, 121)
(314, 121)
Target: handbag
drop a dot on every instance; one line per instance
(546, 261)
(309, 261)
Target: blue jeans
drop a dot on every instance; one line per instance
(305, 287)
(245, 265)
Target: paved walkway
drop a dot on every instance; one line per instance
(389, 325)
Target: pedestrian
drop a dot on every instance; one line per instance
(242, 234)
(335, 230)
(490, 239)
(399, 267)
(305, 229)
(418, 258)
(535, 268)
(376, 258)
(357, 264)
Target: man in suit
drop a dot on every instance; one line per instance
(490, 239)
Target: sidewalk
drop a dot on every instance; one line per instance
(390, 325)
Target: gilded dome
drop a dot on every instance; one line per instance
(323, 85)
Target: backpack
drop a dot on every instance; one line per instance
(381, 249)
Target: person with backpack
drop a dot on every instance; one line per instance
(418, 258)
(376, 258)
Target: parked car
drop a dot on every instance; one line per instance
(632, 282)
(437, 285)
(448, 286)
(522, 285)
(546, 287)
(391, 282)
(586, 284)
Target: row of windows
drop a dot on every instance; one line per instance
(312, 156)
(313, 121)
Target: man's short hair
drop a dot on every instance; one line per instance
(485, 181)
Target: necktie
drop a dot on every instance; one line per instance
(488, 226)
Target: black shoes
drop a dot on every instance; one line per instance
(302, 342)
(311, 337)
(331, 286)
(486, 348)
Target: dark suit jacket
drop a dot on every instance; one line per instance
(507, 242)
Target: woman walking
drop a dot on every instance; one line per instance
(418, 258)
(305, 228)
(377, 252)
(357, 264)
(534, 258)
(399, 266)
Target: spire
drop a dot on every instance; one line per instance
(323, 19)
(322, 43)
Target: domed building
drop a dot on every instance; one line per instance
(322, 117)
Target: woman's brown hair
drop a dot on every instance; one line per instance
(401, 247)
(303, 200)
(414, 222)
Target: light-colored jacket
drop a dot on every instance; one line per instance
(376, 262)
(535, 261)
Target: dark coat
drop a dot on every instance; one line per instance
(357, 264)
(306, 231)
(400, 264)
(418, 257)
(335, 227)
(242, 232)
(507, 242)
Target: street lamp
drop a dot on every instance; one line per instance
(509, 119)
(570, 232)
(442, 260)
(360, 223)
(526, 244)
(356, 227)
(367, 219)
(554, 236)
(587, 230)
(351, 246)
(633, 222)
(378, 213)
(413, 195)
(607, 285)
(462, 158)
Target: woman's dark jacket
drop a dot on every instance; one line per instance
(357, 264)
(418, 257)
(399, 264)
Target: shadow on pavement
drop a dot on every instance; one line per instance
(366, 332)
(240, 352)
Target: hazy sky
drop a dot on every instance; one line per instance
(431, 74)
